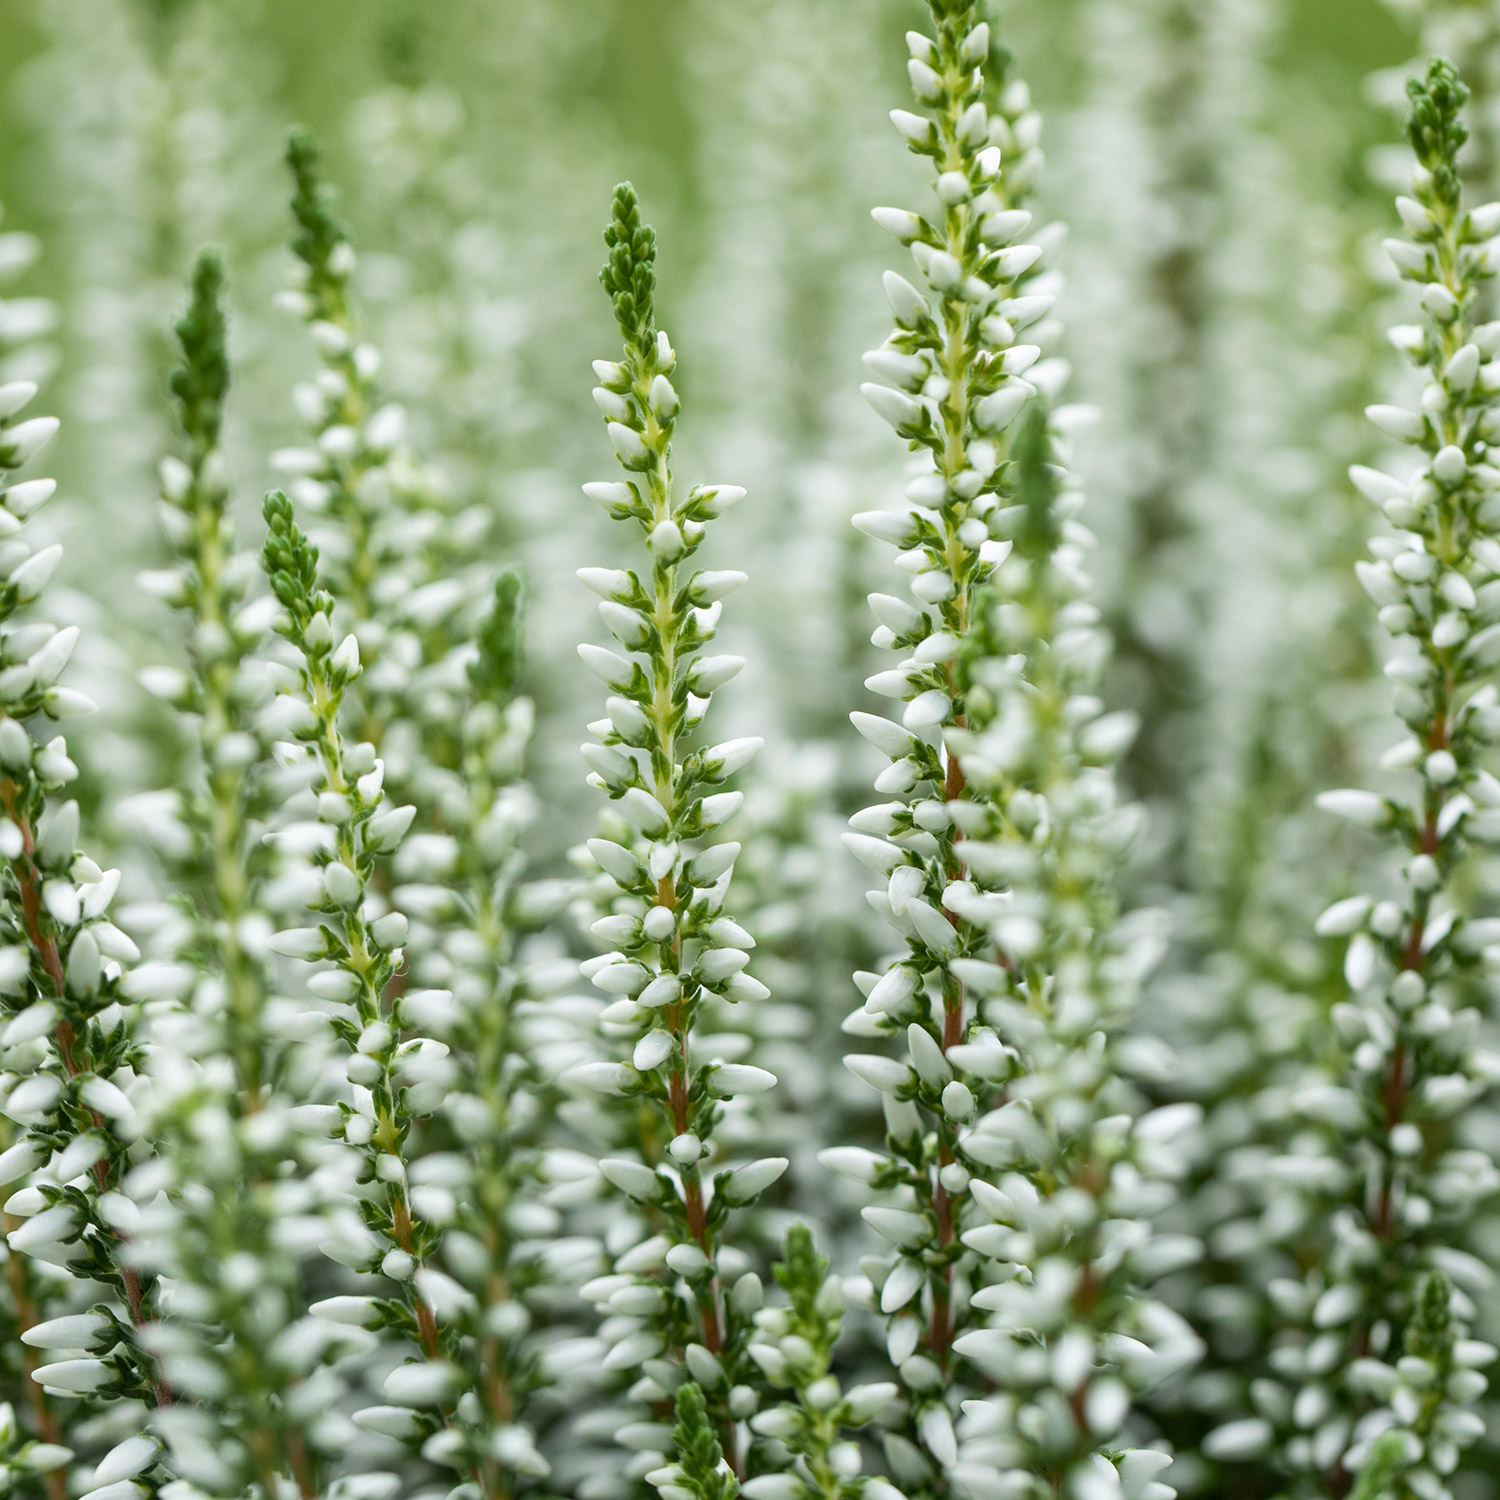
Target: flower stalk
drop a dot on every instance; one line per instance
(1381, 1319)
(674, 950)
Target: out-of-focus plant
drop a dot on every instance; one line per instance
(1376, 1369)
(345, 1188)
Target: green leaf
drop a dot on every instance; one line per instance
(1434, 128)
(1382, 1466)
(700, 1455)
(629, 275)
(319, 241)
(495, 674)
(201, 381)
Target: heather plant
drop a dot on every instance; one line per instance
(400, 1119)
(1385, 1369)
(1013, 1156)
(677, 950)
(71, 1033)
(220, 1215)
(446, 1103)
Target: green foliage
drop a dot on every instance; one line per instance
(1035, 479)
(496, 671)
(200, 382)
(319, 242)
(1379, 1474)
(290, 563)
(1435, 127)
(1430, 1334)
(629, 275)
(700, 1457)
(802, 1274)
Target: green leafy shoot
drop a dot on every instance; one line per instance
(629, 275)
(495, 673)
(319, 241)
(700, 1457)
(201, 381)
(1434, 126)
(290, 562)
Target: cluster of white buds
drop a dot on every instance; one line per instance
(231, 1208)
(68, 1047)
(481, 1179)
(1374, 1372)
(1020, 1179)
(797, 892)
(672, 949)
(393, 1079)
(236, 1195)
(345, 1191)
(1068, 1171)
(453, 730)
(808, 1448)
(204, 833)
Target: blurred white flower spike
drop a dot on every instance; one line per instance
(69, 1044)
(1376, 1339)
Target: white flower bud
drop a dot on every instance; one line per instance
(632, 1178)
(33, 575)
(24, 441)
(917, 129)
(1397, 422)
(892, 406)
(748, 1183)
(630, 448)
(899, 222)
(78, 1377)
(907, 303)
(733, 1079)
(1365, 808)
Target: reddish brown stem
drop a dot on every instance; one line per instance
(427, 1328)
(41, 1410)
(31, 912)
(301, 1466)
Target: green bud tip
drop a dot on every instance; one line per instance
(629, 275)
(201, 381)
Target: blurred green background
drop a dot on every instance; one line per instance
(626, 80)
(474, 143)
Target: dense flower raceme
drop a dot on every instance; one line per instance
(72, 1054)
(1252, 661)
(341, 1189)
(683, 1294)
(1017, 1181)
(453, 729)
(403, 557)
(1376, 1374)
(807, 1452)
(438, 1078)
(31, 1290)
(234, 1198)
